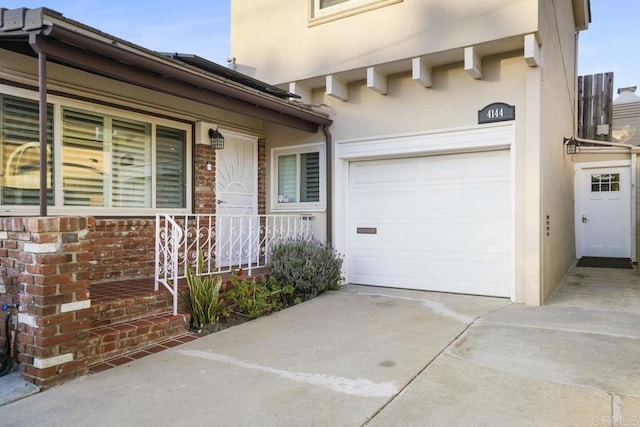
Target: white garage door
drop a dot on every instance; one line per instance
(440, 223)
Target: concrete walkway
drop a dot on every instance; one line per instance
(384, 357)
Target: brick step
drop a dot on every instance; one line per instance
(124, 301)
(125, 309)
(107, 342)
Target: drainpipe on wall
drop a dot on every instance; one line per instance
(42, 88)
(329, 154)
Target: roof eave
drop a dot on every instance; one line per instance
(62, 39)
(582, 14)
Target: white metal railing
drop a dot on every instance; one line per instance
(227, 243)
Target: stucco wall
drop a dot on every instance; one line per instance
(272, 40)
(278, 136)
(453, 101)
(557, 116)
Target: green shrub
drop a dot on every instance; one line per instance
(311, 267)
(255, 298)
(203, 301)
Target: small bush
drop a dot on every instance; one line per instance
(255, 298)
(203, 301)
(311, 267)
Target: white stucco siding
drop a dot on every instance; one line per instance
(557, 116)
(272, 29)
(453, 100)
(451, 103)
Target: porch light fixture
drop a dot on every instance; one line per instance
(571, 145)
(216, 139)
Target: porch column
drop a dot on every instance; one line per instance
(47, 261)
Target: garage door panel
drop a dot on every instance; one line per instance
(446, 228)
(444, 234)
(371, 268)
(381, 204)
(388, 235)
(383, 172)
(477, 167)
(487, 200)
(467, 238)
(411, 269)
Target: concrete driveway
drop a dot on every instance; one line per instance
(384, 357)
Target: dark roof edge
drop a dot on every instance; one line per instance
(52, 24)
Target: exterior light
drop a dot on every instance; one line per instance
(216, 139)
(571, 145)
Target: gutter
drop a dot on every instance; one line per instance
(46, 27)
(633, 148)
(160, 67)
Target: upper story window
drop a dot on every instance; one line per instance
(298, 177)
(321, 11)
(98, 161)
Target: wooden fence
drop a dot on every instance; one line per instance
(595, 106)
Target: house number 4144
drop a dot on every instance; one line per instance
(496, 112)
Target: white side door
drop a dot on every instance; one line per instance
(237, 200)
(603, 212)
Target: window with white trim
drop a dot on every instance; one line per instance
(105, 162)
(298, 178)
(327, 10)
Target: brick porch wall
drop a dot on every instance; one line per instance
(47, 264)
(122, 248)
(46, 268)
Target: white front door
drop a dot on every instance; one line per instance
(236, 198)
(603, 212)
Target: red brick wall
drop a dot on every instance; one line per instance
(122, 248)
(205, 180)
(46, 264)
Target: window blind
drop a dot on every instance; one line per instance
(20, 151)
(310, 177)
(287, 179)
(83, 159)
(170, 173)
(329, 3)
(131, 163)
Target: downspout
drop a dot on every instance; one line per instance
(634, 212)
(329, 157)
(42, 117)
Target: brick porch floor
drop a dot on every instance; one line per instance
(137, 354)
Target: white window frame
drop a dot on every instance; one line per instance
(321, 204)
(60, 102)
(318, 15)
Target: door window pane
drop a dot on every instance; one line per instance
(605, 182)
